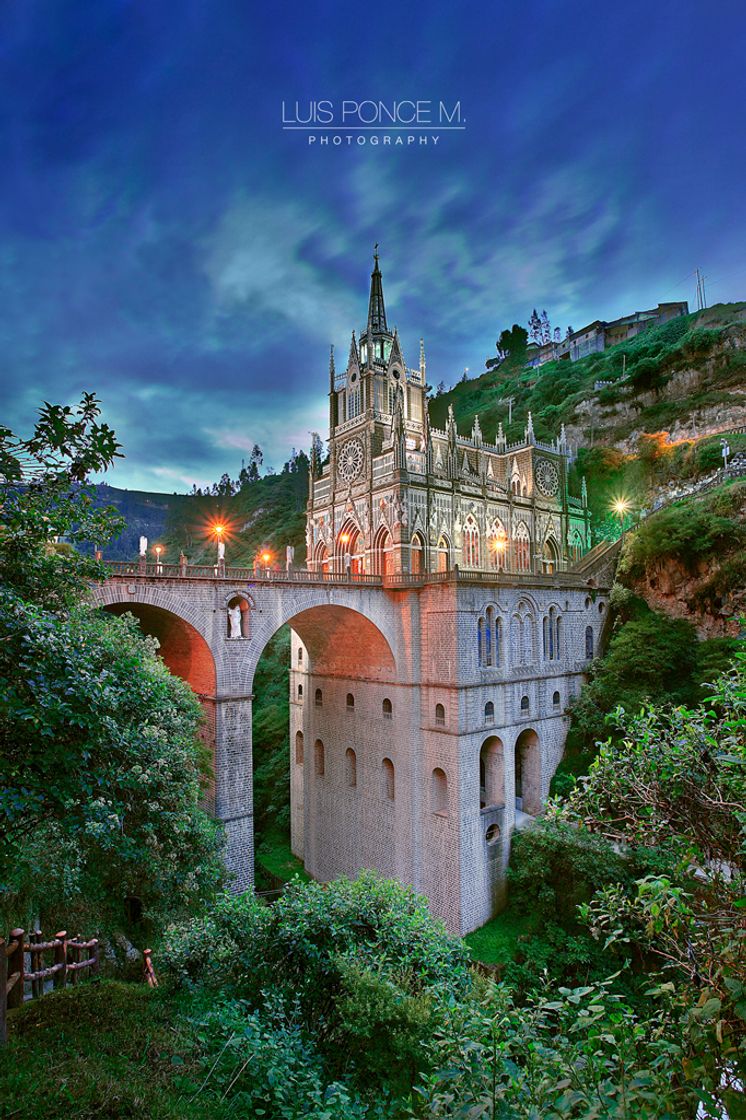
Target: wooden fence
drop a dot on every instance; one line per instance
(71, 957)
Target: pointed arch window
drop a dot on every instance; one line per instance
(522, 548)
(589, 642)
(299, 748)
(551, 633)
(439, 792)
(497, 546)
(471, 551)
(350, 768)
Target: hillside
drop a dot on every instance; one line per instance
(673, 389)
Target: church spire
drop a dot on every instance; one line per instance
(376, 309)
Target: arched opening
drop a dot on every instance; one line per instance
(321, 558)
(349, 557)
(443, 554)
(350, 768)
(318, 698)
(525, 704)
(238, 618)
(319, 761)
(528, 772)
(299, 748)
(589, 642)
(439, 792)
(489, 712)
(387, 775)
(350, 703)
(550, 555)
(491, 773)
(417, 555)
(383, 553)
(555, 699)
(387, 709)
(188, 656)
(440, 715)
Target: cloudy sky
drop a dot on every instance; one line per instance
(164, 242)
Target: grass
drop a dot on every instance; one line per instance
(104, 1050)
(275, 857)
(496, 942)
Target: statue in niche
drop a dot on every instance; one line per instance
(234, 621)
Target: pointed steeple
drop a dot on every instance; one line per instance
(476, 432)
(583, 492)
(529, 432)
(422, 359)
(332, 371)
(353, 362)
(500, 443)
(396, 357)
(451, 428)
(376, 309)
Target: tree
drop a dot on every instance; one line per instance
(99, 759)
(255, 462)
(225, 488)
(513, 341)
(534, 327)
(568, 332)
(546, 329)
(557, 334)
(441, 389)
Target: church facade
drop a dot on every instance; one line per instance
(398, 496)
(422, 768)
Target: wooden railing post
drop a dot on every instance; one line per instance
(60, 958)
(15, 964)
(96, 958)
(76, 957)
(37, 986)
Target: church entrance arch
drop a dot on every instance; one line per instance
(349, 553)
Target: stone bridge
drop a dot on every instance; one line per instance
(413, 640)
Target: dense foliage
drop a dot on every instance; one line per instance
(99, 757)
(360, 967)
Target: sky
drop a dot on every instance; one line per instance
(166, 243)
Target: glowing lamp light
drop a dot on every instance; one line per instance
(266, 557)
(219, 529)
(344, 538)
(621, 505)
(158, 551)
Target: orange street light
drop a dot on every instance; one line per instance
(344, 538)
(266, 557)
(218, 530)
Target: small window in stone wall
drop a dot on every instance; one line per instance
(387, 772)
(299, 748)
(492, 835)
(439, 792)
(589, 641)
(319, 698)
(524, 703)
(440, 715)
(318, 758)
(300, 691)
(556, 700)
(489, 712)
(300, 656)
(388, 710)
(350, 702)
(350, 768)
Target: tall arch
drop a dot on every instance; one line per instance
(417, 554)
(521, 548)
(471, 552)
(527, 762)
(550, 555)
(443, 554)
(348, 551)
(491, 773)
(383, 552)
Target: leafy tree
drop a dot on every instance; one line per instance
(99, 761)
(255, 462)
(365, 969)
(534, 327)
(677, 780)
(546, 327)
(513, 341)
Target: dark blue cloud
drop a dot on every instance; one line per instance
(164, 242)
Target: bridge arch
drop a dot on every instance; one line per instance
(184, 649)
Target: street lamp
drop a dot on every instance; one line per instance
(266, 557)
(725, 452)
(621, 507)
(218, 531)
(158, 566)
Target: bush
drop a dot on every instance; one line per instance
(362, 964)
